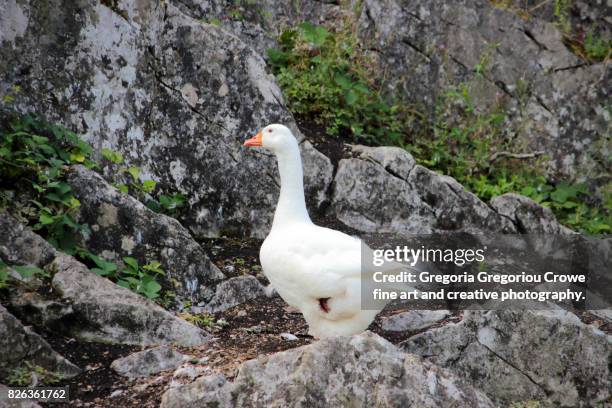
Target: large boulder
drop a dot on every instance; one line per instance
(382, 190)
(363, 370)
(175, 95)
(20, 345)
(556, 101)
(85, 305)
(106, 312)
(519, 355)
(122, 226)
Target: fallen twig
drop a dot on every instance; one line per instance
(497, 155)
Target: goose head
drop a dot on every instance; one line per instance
(276, 138)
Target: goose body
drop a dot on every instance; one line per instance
(314, 269)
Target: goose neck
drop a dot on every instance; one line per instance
(291, 205)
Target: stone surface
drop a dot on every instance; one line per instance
(19, 344)
(368, 198)
(148, 362)
(363, 370)
(395, 160)
(528, 216)
(20, 246)
(235, 291)
(106, 312)
(6, 402)
(413, 320)
(122, 226)
(382, 191)
(454, 207)
(174, 94)
(545, 355)
(555, 100)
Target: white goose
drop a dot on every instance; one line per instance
(314, 269)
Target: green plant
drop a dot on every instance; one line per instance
(141, 279)
(327, 79)
(200, 320)
(596, 47)
(33, 158)
(568, 202)
(143, 189)
(561, 12)
(30, 373)
(466, 144)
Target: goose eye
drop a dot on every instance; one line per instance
(269, 130)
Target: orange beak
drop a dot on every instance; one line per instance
(255, 141)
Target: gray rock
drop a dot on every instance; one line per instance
(289, 336)
(527, 215)
(546, 355)
(7, 402)
(368, 198)
(123, 226)
(455, 208)
(186, 372)
(148, 362)
(235, 291)
(413, 320)
(383, 191)
(19, 344)
(555, 101)
(21, 246)
(106, 312)
(395, 160)
(40, 312)
(363, 370)
(180, 92)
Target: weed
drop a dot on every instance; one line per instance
(596, 47)
(142, 189)
(326, 79)
(200, 320)
(139, 279)
(29, 374)
(34, 156)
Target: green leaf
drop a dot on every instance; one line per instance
(124, 188)
(112, 156)
(123, 283)
(133, 263)
(28, 271)
(151, 289)
(351, 98)
(148, 186)
(134, 172)
(316, 35)
(46, 219)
